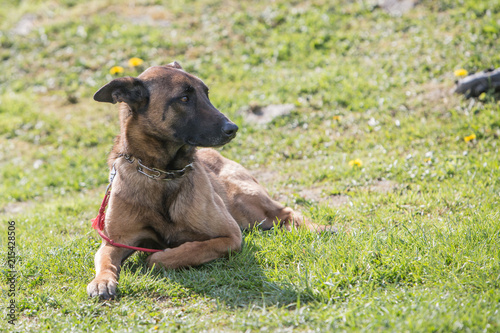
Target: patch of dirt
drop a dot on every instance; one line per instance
(25, 25)
(150, 15)
(436, 92)
(316, 194)
(439, 95)
(262, 115)
(383, 186)
(337, 200)
(397, 7)
(16, 207)
(265, 176)
(312, 194)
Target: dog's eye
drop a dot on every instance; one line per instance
(184, 99)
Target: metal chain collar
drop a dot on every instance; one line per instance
(157, 174)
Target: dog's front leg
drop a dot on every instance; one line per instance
(196, 253)
(107, 268)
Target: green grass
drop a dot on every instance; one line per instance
(418, 247)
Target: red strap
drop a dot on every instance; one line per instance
(110, 241)
(98, 221)
(98, 224)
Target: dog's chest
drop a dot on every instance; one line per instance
(152, 202)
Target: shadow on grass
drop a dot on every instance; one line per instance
(237, 281)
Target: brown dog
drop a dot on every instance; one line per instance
(195, 210)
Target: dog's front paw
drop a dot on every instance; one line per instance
(168, 258)
(105, 288)
(155, 259)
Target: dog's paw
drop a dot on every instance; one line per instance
(155, 259)
(102, 287)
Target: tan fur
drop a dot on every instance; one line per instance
(194, 219)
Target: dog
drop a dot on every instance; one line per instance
(188, 204)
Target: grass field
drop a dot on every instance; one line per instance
(377, 145)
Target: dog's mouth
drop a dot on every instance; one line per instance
(216, 142)
(230, 137)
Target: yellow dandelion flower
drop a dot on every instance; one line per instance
(470, 137)
(355, 163)
(134, 62)
(337, 118)
(461, 72)
(116, 70)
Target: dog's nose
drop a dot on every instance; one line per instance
(229, 129)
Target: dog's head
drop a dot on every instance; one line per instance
(172, 106)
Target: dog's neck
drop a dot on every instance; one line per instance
(170, 157)
(152, 151)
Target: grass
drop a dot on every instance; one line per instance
(418, 246)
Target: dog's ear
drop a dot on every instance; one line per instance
(125, 89)
(175, 64)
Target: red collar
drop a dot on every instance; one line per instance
(98, 221)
